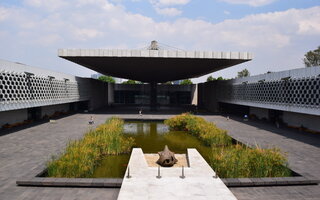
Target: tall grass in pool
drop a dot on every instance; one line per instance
(231, 160)
(81, 156)
(239, 161)
(206, 131)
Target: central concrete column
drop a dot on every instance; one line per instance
(153, 96)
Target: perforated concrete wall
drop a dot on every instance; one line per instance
(295, 90)
(20, 89)
(289, 93)
(304, 92)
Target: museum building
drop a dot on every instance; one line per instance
(291, 97)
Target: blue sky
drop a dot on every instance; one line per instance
(214, 10)
(277, 32)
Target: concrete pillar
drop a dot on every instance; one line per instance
(194, 94)
(110, 93)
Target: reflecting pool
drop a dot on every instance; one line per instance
(151, 137)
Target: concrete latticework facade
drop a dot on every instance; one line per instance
(302, 92)
(30, 93)
(293, 92)
(22, 91)
(25, 87)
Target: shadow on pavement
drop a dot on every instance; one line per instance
(302, 136)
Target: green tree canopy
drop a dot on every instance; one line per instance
(243, 73)
(220, 78)
(131, 82)
(186, 82)
(312, 58)
(210, 78)
(108, 79)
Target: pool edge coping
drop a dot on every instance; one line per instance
(33, 179)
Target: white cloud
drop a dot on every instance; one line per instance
(3, 14)
(168, 11)
(86, 33)
(272, 37)
(48, 40)
(309, 27)
(254, 3)
(50, 5)
(169, 2)
(91, 2)
(165, 7)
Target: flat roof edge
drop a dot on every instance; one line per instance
(154, 54)
(16, 67)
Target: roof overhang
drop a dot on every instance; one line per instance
(154, 65)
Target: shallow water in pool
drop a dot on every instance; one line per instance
(151, 137)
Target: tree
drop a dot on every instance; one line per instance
(186, 82)
(131, 82)
(210, 78)
(108, 79)
(243, 73)
(220, 78)
(312, 58)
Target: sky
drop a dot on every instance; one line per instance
(277, 32)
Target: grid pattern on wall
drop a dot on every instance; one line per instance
(23, 88)
(302, 92)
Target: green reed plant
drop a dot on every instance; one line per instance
(239, 161)
(81, 156)
(206, 131)
(231, 160)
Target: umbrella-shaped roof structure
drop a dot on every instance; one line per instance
(153, 65)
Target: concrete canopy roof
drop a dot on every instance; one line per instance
(153, 65)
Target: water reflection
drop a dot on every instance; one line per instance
(145, 128)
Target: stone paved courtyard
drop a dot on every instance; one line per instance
(23, 150)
